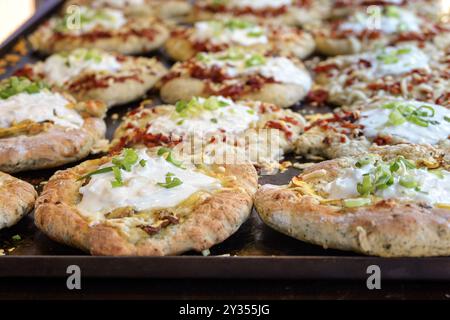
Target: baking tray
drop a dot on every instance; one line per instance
(253, 252)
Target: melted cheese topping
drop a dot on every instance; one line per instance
(398, 60)
(59, 68)
(141, 190)
(258, 4)
(218, 33)
(38, 107)
(400, 21)
(281, 69)
(433, 189)
(233, 118)
(376, 122)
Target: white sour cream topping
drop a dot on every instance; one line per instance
(38, 107)
(259, 4)
(59, 69)
(92, 18)
(233, 118)
(375, 122)
(141, 190)
(216, 33)
(281, 69)
(398, 60)
(433, 188)
(117, 3)
(402, 21)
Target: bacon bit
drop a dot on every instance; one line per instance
(321, 68)
(207, 46)
(26, 71)
(382, 141)
(214, 73)
(279, 126)
(166, 221)
(444, 99)
(317, 97)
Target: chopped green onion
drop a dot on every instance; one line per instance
(171, 181)
(255, 60)
(255, 34)
(167, 154)
(366, 186)
(447, 118)
(143, 162)
(118, 176)
(15, 85)
(396, 118)
(16, 237)
(437, 172)
(99, 171)
(392, 12)
(408, 182)
(214, 120)
(358, 202)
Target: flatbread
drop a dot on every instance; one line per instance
(389, 226)
(203, 219)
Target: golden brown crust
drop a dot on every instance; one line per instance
(388, 228)
(209, 222)
(16, 199)
(137, 36)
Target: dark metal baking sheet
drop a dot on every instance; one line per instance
(254, 251)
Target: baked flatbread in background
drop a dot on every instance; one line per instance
(164, 9)
(406, 70)
(107, 29)
(40, 128)
(16, 200)
(238, 74)
(383, 121)
(145, 203)
(94, 74)
(367, 30)
(214, 130)
(391, 202)
(290, 12)
(218, 35)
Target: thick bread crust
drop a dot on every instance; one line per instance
(389, 228)
(51, 148)
(17, 199)
(350, 45)
(210, 222)
(124, 40)
(184, 88)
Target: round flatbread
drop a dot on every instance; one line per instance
(215, 130)
(238, 75)
(384, 121)
(288, 12)
(218, 35)
(106, 29)
(402, 71)
(91, 74)
(164, 9)
(391, 202)
(376, 28)
(44, 129)
(145, 205)
(16, 200)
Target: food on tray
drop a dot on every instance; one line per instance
(365, 31)
(41, 129)
(215, 130)
(392, 201)
(291, 12)
(165, 9)
(106, 29)
(240, 75)
(16, 200)
(384, 121)
(93, 74)
(404, 71)
(218, 35)
(144, 202)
